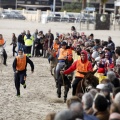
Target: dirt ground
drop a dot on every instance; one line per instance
(39, 98)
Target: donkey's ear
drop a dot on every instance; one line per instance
(94, 71)
(84, 73)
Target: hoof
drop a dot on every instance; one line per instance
(59, 96)
(52, 74)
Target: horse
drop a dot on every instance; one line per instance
(88, 82)
(65, 80)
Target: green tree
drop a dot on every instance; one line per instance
(75, 6)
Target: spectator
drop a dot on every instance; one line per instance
(78, 108)
(93, 92)
(72, 100)
(50, 116)
(114, 116)
(100, 107)
(35, 37)
(115, 91)
(14, 43)
(67, 115)
(117, 99)
(112, 77)
(87, 101)
(21, 41)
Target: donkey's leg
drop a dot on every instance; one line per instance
(66, 89)
(59, 91)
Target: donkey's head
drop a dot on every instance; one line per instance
(89, 80)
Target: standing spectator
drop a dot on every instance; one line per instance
(2, 43)
(14, 43)
(41, 40)
(28, 39)
(35, 37)
(21, 41)
(111, 44)
(117, 68)
(50, 38)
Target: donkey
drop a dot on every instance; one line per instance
(53, 62)
(65, 80)
(89, 81)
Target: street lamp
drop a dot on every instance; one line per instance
(62, 3)
(16, 5)
(54, 3)
(0, 4)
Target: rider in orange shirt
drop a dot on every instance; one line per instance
(82, 65)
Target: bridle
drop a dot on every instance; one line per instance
(86, 88)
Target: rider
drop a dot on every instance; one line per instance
(2, 43)
(19, 67)
(82, 65)
(62, 56)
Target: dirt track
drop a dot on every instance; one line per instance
(39, 97)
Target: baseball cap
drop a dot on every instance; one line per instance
(63, 43)
(101, 52)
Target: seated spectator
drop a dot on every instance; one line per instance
(114, 80)
(50, 116)
(93, 92)
(67, 115)
(100, 106)
(87, 101)
(72, 100)
(117, 100)
(114, 108)
(114, 116)
(115, 91)
(78, 108)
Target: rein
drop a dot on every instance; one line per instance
(63, 80)
(86, 89)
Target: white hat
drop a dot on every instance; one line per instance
(100, 86)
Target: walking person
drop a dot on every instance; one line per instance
(19, 68)
(14, 43)
(28, 39)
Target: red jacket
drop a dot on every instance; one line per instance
(73, 67)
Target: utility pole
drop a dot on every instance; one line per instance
(54, 4)
(0, 4)
(16, 5)
(62, 3)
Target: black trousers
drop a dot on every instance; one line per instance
(14, 50)
(28, 50)
(74, 85)
(4, 56)
(19, 79)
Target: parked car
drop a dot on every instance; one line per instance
(68, 18)
(12, 15)
(54, 17)
(84, 18)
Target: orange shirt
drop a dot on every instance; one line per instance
(21, 63)
(81, 67)
(2, 41)
(62, 54)
(55, 46)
